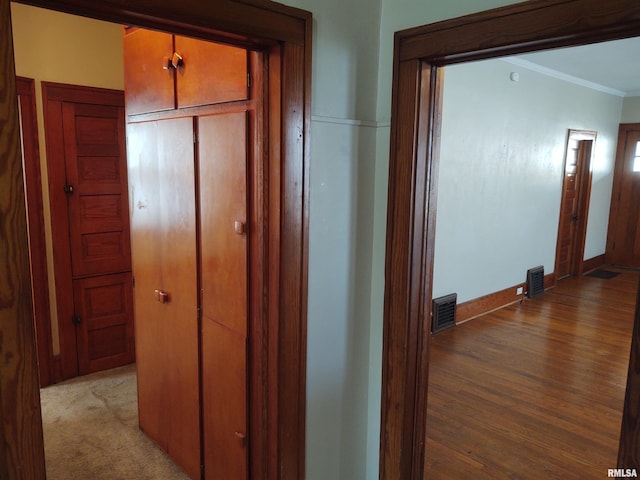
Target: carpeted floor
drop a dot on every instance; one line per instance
(91, 431)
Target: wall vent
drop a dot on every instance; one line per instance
(444, 312)
(535, 281)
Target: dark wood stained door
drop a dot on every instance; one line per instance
(223, 217)
(86, 157)
(573, 208)
(623, 244)
(95, 163)
(163, 224)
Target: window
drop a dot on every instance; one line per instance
(636, 158)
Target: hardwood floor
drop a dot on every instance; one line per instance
(534, 390)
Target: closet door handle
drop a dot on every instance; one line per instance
(242, 437)
(162, 296)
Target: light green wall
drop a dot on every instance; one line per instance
(631, 110)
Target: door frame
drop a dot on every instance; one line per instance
(284, 33)
(583, 191)
(419, 54)
(37, 243)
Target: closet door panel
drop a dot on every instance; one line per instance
(149, 83)
(223, 214)
(212, 73)
(162, 186)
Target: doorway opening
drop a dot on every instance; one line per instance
(415, 134)
(277, 346)
(574, 204)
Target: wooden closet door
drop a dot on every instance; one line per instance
(223, 214)
(163, 230)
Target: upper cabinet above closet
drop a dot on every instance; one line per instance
(184, 72)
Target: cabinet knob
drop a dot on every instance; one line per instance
(162, 296)
(242, 437)
(239, 227)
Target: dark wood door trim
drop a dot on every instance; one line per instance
(37, 243)
(285, 34)
(21, 446)
(527, 26)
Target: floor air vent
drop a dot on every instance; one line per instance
(444, 312)
(535, 281)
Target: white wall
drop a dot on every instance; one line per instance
(631, 110)
(501, 173)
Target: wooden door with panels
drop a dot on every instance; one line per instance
(86, 159)
(623, 239)
(574, 204)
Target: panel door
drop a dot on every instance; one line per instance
(105, 335)
(574, 208)
(163, 226)
(86, 158)
(146, 56)
(95, 162)
(624, 234)
(223, 213)
(212, 73)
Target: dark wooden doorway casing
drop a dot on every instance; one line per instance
(419, 54)
(284, 35)
(37, 242)
(574, 204)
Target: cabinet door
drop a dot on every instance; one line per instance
(163, 230)
(223, 213)
(212, 73)
(149, 85)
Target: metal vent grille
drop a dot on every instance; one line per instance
(535, 281)
(444, 312)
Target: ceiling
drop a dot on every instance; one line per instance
(614, 66)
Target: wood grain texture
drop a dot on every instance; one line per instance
(213, 20)
(629, 448)
(22, 454)
(534, 390)
(161, 165)
(399, 362)
(35, 211)
(517, 28)
(523, 27)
